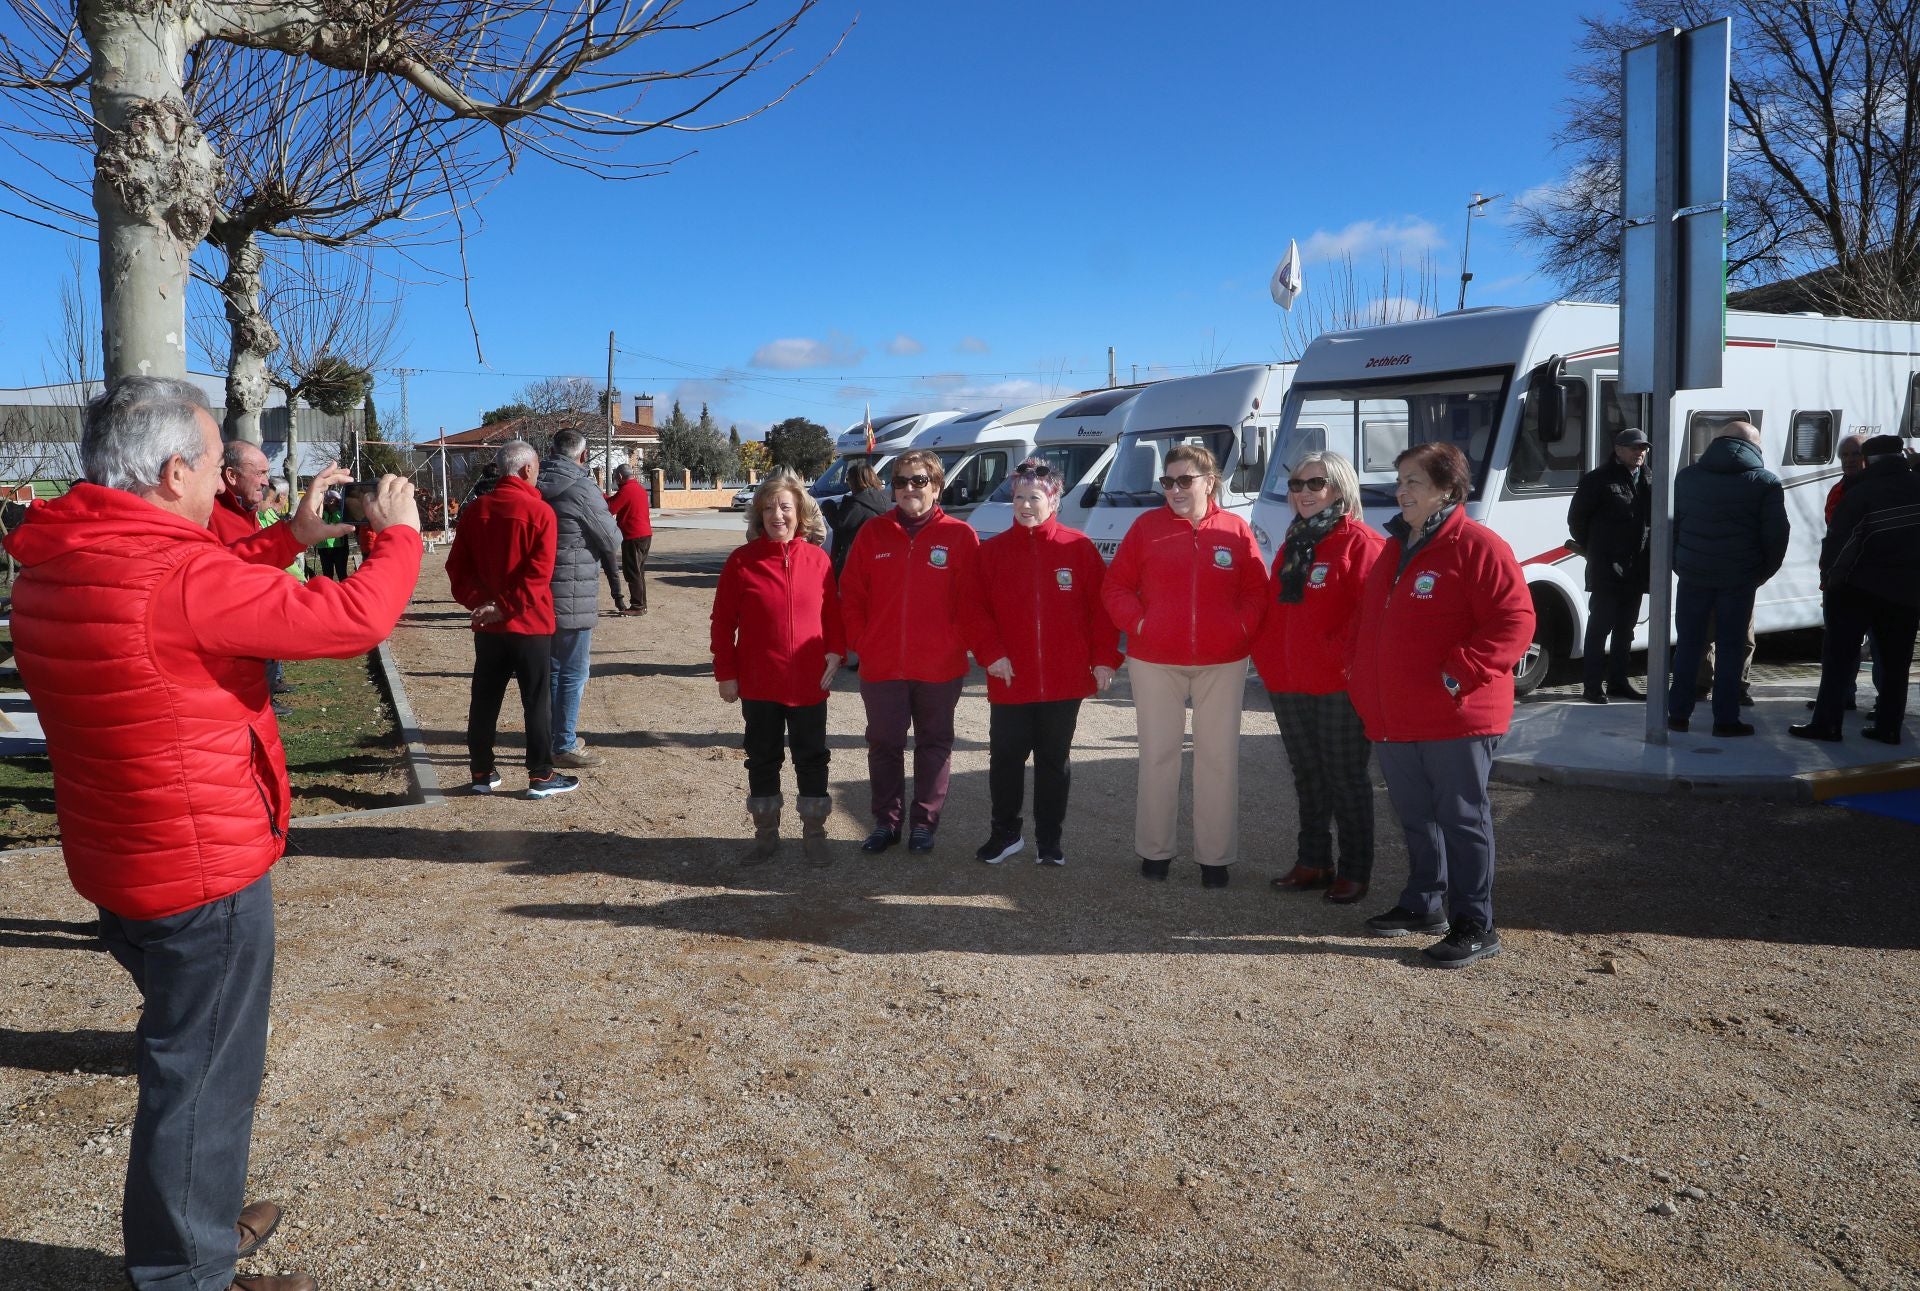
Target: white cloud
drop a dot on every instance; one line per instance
(971, 345)
(1363, 238)
(902, 344)
(957, 392)
(794, 352)
(1392, 309)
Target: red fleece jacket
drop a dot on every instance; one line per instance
(629, 505)
(1303, 646)
(776, 618)
(1036, 602)
(503, 552)
(1185, 595)
(901, 597)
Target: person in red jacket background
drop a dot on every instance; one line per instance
(1301, 655)
(1189, 589)
(501, 569)
(1445, 618)
(139, 635)
(901, 595)
(777, 641)
(631, 505)
(1037, 625)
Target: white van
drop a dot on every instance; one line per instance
(1234, 412)
(1077, 441)
(978, 449)
(891, 434)
(1531, 396)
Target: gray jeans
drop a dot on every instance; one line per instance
(205, 976)
(1439, 791)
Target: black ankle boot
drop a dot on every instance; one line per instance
(1213, 876)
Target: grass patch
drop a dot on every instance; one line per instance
(343, 745)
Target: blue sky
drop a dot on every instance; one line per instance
(971, 202)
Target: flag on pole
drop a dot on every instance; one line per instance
(1287, 282)
(869, 420)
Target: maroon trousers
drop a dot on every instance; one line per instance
(893, 706)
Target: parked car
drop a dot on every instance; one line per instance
(744, 498)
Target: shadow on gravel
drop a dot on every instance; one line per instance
(36, 1266)
(49, 934)
(99, 1053)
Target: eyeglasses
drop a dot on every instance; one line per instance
(912, 481)
(1312, 484)
(1040, 472)
(1180, 482)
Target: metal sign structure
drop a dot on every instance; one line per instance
(1673, 270)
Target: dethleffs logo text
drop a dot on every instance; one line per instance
(1389, 360)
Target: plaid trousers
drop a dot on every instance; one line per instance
(1327, 748)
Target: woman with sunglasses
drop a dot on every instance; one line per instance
(1313, 604)
(1036, 624)
(901, 595)
(1189, 589)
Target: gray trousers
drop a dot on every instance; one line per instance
(205, 976)
(1439, 790)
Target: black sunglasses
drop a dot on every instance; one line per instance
(912, 481)
(1040, 472)
(1181, 482)
(1312, 484)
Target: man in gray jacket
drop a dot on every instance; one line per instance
(587, 538)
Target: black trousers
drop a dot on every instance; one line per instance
(1611, 612)
(1850, 615)
(1327, 748)
(333, 560)
(528, 660)
(633, 568)
(771, 729)
(1044, 732)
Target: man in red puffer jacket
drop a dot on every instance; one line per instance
(140, 637)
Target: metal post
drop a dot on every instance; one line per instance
(1662, 457)
(446, 498)
(1110, 373)
(613, 414)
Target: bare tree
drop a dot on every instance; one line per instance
(1334, 300)
(1824, 164)
(568, 86)
(563, 394)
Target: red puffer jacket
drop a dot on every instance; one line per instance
(1460, 608)
(776, 618)
(1187, 596)
(629, 504)
(140, 639)
(1303, 645)
(901, 597)
(503, 552)
(1037, 604)
(239, 530)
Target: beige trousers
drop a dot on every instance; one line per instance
(1160, 696)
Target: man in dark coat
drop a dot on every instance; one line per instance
(1610, 521)
(1870, 570)
(587, 546)
(1729, 537)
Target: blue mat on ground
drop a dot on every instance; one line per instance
(1901, 804)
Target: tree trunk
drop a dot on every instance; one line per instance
(253, 339)
(153, 182)
(293, 447)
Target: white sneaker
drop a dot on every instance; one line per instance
(487, 783)
(1050, 856)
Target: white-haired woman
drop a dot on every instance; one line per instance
(1301, 655)
(777, 641)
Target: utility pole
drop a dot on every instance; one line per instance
(446, 502)
(1474, 208)
(613, 414)
(1111, 381)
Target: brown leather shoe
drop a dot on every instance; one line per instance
(256, 1225)
(1346, 891)
(276, 1282)
(1303, 878)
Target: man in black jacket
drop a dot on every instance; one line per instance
(1610, 521)
(1870, 570)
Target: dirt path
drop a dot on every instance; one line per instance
(573, 1044)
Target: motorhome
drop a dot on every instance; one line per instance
(891, 434)
(1234, 412)
(1076, 441)
(978, 449)
(1532, 397)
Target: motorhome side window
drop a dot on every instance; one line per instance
(1913, 407)
(1541, 461)
(1705, 426)
(1617, 413)
(1811, 443)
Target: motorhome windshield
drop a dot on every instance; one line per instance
(1134, 480)
(1069, 462)
(1373, 422)
(833, 480)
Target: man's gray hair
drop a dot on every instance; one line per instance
(621, 474)
(514, 455)
(234, 455)
(136, 426)
(569, 444)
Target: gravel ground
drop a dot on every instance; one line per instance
(573, 1044)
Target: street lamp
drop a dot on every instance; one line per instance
(1474, 208)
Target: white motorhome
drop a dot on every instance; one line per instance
(978, 449)
(1076, 440)
(891, 434)
(1531, 397)
(1234, 412)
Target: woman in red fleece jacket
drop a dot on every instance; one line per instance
(1189, 589)
(777, 641)
(1036, 624)
(901, 592)
(1312, 607)
(1445, 618)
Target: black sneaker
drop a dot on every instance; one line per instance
(1624, 690)
(551, 785)
(1746, 698)
(1213, 876)
(1050, 856)
(1468, 943)
(1731, 730)
(999, 847)
(1400, 921)
(1677, 724)
(882, 837)
(1154, 869)
(920, 839)
(1593, 695)
(487, 783)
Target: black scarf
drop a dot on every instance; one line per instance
(1303, 535)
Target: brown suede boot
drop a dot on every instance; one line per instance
(813, 830)
(766, 829)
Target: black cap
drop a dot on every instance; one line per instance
(1882, 446)
(1631, 437)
